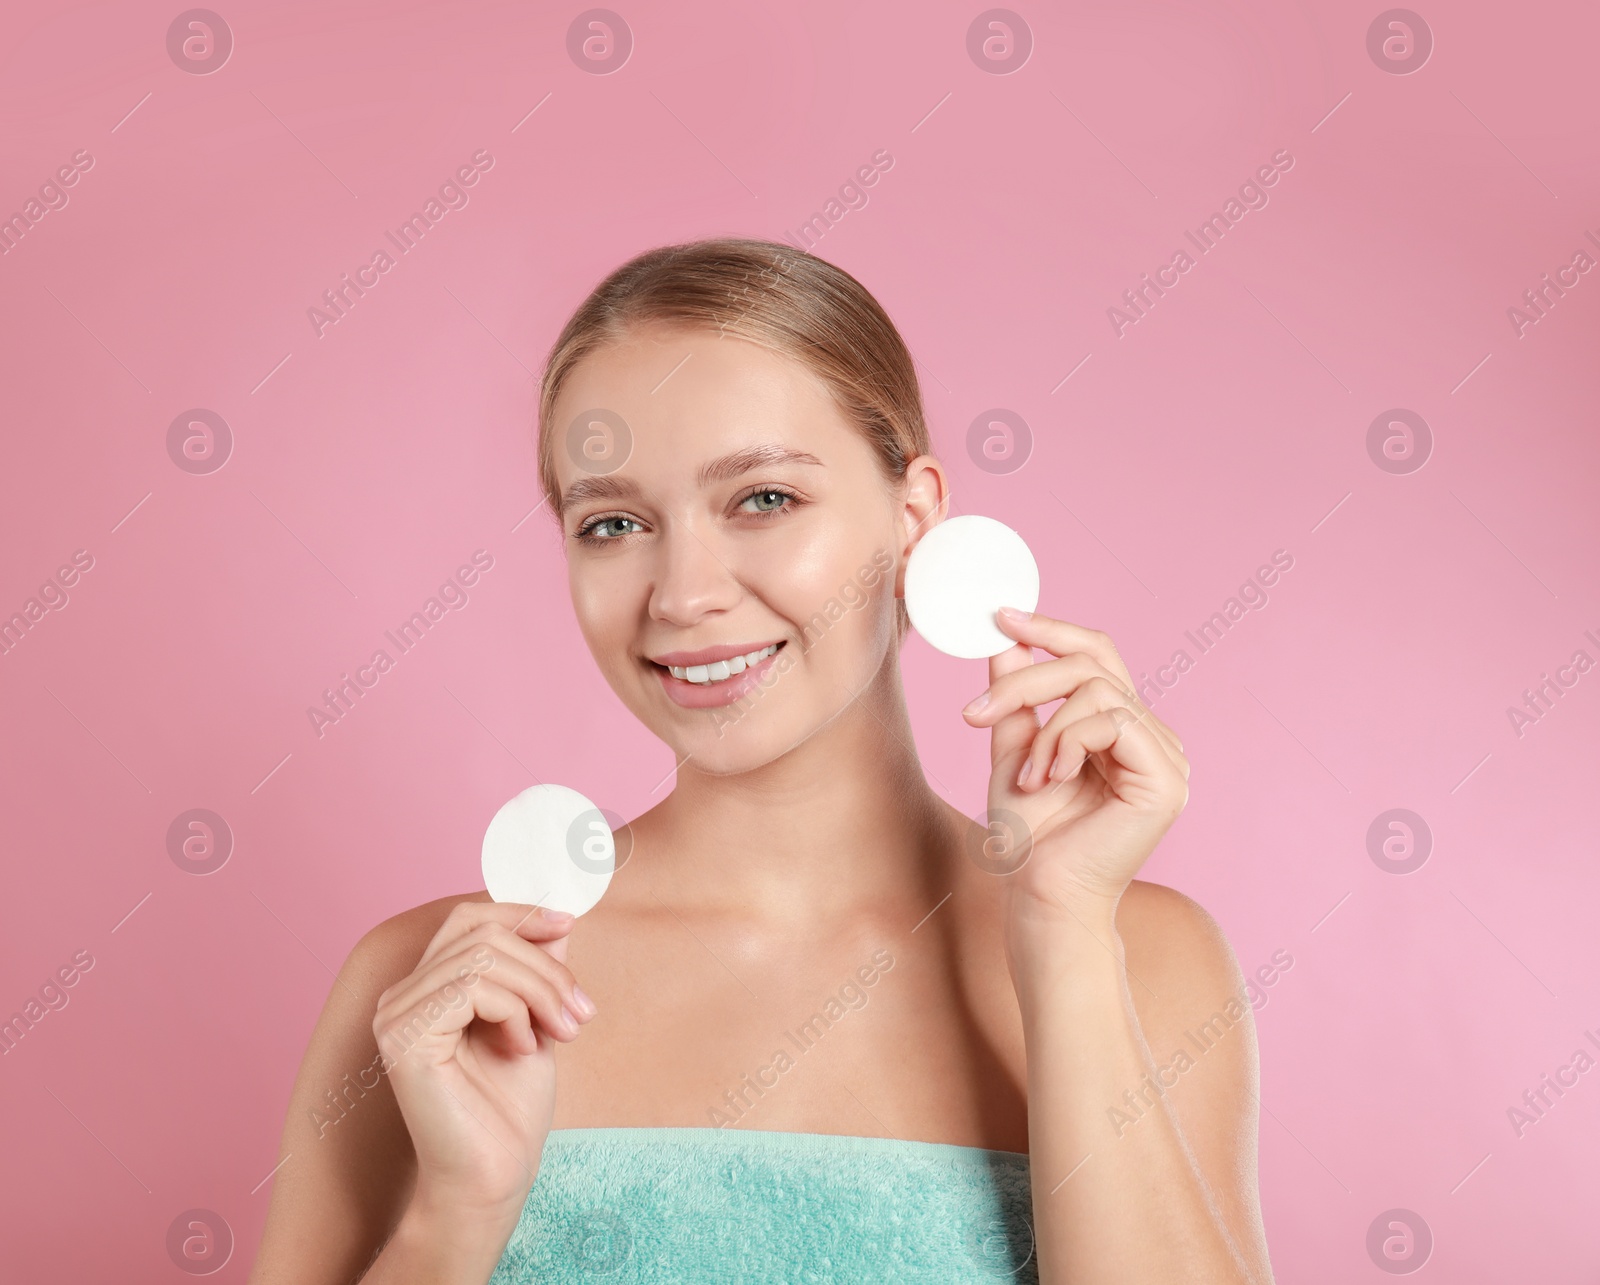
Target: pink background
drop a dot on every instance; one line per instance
(1228, 423)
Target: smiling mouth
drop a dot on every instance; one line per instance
(720, 671)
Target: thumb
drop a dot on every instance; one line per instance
(1012, 736)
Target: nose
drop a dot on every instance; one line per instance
(693, 579)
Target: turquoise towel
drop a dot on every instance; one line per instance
(741, 1206)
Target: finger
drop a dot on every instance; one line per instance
(548, 1000)
(531, 922)
(1049, 680)
(1013, 731)
(1130, 743)
(512, 962)
(1047, 763)
(1061, 638)
(491, 936)
(456, 979)
(1094, 696)
(407, 1028)
(437, 978)
(1097, 693)
(503, 943)
(1037, 684)
(490, 943)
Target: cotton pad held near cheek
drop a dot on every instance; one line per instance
(959, 575)
(549, 847)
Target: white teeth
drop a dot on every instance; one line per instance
(719, 670)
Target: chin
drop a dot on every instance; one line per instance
(737, 744)
(735, 739)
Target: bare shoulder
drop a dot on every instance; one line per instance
(1185, 979)
(347, 1163)
(1173, 935)
(390, 950)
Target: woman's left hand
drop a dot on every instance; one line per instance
(1100, 782)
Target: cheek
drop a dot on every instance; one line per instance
(806, 569)
(817, 584)
(601, 601)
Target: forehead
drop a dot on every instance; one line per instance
(677, 396)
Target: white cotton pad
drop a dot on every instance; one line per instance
(549, 847)
(959, 575)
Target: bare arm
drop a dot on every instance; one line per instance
(1143, 1150)
(1142, 1070)
(350, 1166)
(462, 1008)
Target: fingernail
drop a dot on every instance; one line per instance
(557, 916)
(583, 1001)
(976, 705)
(1015, 614)
(568, 1019)
(1022, 776)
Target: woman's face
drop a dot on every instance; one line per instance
(736, 512)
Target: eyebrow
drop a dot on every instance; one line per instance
(722, 469)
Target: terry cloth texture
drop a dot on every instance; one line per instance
(746, 1207)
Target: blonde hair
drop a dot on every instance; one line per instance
(770, 294)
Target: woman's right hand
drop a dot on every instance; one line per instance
(467, 1044)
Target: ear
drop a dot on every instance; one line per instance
(926, 504)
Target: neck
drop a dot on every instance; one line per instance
(844, 822)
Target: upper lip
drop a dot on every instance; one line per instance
(710, 655)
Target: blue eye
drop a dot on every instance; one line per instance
(588, 531)
(769, 493)
(608, 528)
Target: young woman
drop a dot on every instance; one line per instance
(838, 1029)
